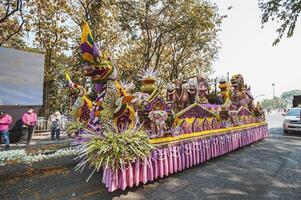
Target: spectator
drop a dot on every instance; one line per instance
(5, 121)
(29, 120)
(56, 121)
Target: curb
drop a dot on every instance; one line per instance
(15, 170)
(40, 145)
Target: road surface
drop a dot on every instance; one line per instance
(269, 169)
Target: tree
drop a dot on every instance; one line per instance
(58, 98)
(49, 23)
(285, 99)
(173, 37)
(102, 18)
(288, 96)
(275, 103)
(12, 20)
(284, 11)
(193, 46)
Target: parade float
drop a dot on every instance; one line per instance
(135, 135)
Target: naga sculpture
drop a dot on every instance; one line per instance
(112, 101)
(80, 104)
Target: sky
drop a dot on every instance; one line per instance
(21, 77)
(247, 49)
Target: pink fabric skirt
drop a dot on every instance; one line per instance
(169, 159)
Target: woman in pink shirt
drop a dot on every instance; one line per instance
(5, 121)
(29, 120)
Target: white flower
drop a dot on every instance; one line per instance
(148, 74)
(21, 156)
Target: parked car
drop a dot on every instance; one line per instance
(291, 120)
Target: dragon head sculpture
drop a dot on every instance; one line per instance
(80, 104)
(75, 90)
(97, 65)
(112, 100)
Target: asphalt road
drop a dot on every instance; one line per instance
(269, 169)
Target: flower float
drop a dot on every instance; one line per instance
(141, 136)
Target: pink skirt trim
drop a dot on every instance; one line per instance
(170, 159)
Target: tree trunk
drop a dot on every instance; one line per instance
(47, 68)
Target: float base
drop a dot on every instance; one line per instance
(174, 156)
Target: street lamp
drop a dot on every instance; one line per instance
(273, 84)
(261, 95)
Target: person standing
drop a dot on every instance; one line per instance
(5, 121)
(56, 120)
(29, 120)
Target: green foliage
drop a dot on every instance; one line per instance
(274, 103)
(283, 101)
(51, 34)
(12, 22)
(54, 86)
(74, 127)
(284, 11)
(174, 37)
(116, 149)
(288, 96)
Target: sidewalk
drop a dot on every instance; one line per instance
(41, 156)
(41, 139)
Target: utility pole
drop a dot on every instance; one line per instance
(273, 84)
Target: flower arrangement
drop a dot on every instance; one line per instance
(149, 75)
(114, 149)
